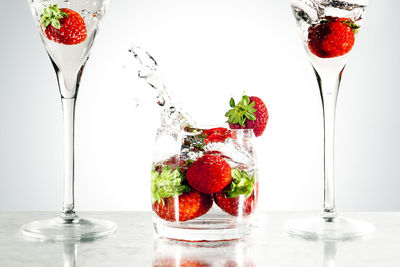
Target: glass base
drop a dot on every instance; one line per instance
(206, 228)
(60, 230)
(316, 228)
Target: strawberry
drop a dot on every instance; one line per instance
(249, 113)
(333, 37)
(186, 262)
(169, 186)
(197, 139)
(217, 135)
(242, 185)
(191, 205)
(63, 26)
(194, 263)
(209, 174)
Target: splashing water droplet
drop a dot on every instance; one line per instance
(160, 100)
(136, 102)
(171, 114)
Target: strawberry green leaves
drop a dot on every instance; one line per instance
(52, 15)
(241, 112)
(242, 184)
(352, 25)
(166, 184)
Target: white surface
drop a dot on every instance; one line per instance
(207, 49)
(133, 245)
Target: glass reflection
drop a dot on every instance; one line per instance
(170, 253)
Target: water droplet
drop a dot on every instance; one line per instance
(136, 102)
(160, 100)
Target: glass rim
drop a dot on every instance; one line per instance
(208, 127)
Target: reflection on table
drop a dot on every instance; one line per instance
(168, 253)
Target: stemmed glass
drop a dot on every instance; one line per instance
(68, 29)
(328, 29)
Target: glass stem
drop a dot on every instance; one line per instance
(68, 84)
(329, 88)
(68, 105)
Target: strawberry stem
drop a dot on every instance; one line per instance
(166, 184)
(242, 184)
(241, 112)
(51, 16)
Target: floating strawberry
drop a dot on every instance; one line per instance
(217, 135)
(191, 205)
(168, 184)
(333, 37)
(242, 185)
(209, 174)
(63, 26)
(249, 113)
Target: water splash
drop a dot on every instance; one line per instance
(312, 11)
(171, 114)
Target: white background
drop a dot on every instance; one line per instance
(208, 50)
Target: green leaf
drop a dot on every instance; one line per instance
(242, 184)
(167, 184)
(250, 116)
(55, 24)
(246, 100)
(232, 102)
(242, 111)
(52, 15)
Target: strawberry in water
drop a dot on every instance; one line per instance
(242, 185)
(217, 135)
(168, 186)
(63, 26)
(191, 205)
(249, 113)
(333, 37)
(209, 174)
(177, 262)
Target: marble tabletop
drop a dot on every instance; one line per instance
(134, 245)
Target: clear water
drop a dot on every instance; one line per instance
(69, 59)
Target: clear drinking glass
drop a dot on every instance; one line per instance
(69, 51)
(328, 29)
(204, 183)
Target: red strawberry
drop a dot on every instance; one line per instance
(231, 205)
(194, 263)
(63, 26)
(168, 186)
(174, 262)
(242, 186)
(209, 174)
(217, 135)
(191, 205)
(249, 113)
(334, 37)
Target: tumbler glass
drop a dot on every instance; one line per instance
(204, 183)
